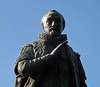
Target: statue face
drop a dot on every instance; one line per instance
(52, 24)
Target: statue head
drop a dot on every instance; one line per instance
(53, 23)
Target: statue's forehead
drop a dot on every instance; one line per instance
(52, 16)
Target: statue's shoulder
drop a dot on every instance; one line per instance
(27, 45)
(72, 51)
(31, 46)
(37, 43)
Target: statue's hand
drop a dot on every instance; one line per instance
(57, 50)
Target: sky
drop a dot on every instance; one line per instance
(20, 23)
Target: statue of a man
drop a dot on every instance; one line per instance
(50, 61)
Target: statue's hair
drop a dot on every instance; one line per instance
(53, 12)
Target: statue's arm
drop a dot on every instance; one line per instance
(27, 65)
(81, 73)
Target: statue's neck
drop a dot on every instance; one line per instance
(57, 39)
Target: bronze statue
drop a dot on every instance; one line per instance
(50, 61)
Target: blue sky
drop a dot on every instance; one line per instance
(20, 23)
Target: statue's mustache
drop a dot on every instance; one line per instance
(52, 28)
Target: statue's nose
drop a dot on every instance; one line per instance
(53, 23)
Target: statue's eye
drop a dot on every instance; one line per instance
(49, 21)
(56, 20)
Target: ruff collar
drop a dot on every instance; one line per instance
(48, 38)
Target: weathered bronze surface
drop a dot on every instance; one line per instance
(50, 61)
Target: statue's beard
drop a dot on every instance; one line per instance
(54, 33)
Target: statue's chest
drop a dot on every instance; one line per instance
(41, 49)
